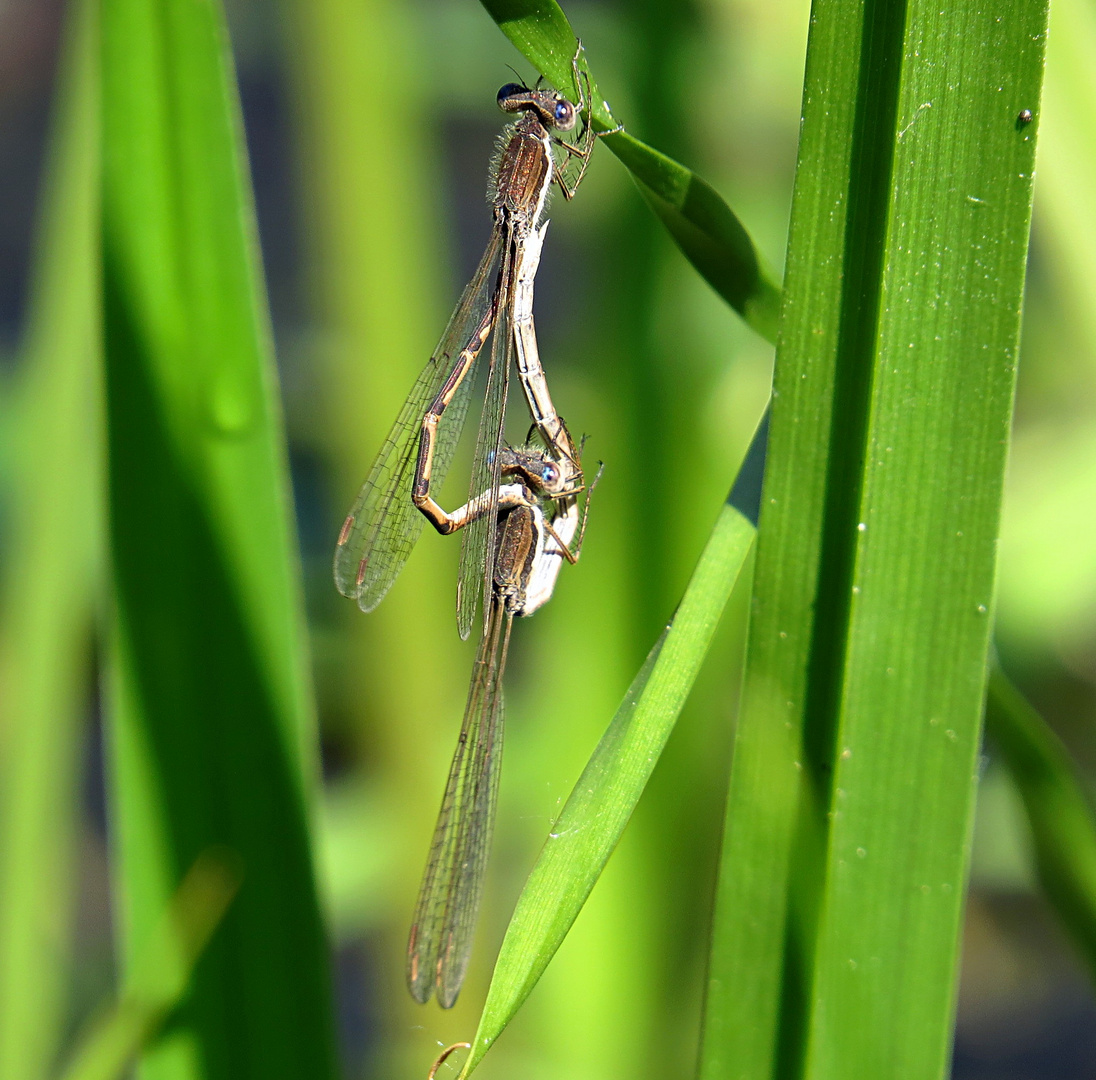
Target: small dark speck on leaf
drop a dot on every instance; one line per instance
(1023, 119)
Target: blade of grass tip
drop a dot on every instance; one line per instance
(598, 809)
(706, 230)
(46, 618)
(161, 971)
(1059, 810)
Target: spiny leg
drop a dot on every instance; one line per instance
(420, 489)
(587, 137)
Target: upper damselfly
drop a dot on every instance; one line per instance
(396, 499)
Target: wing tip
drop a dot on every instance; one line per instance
(344, 532)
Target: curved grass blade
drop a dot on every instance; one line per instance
(706, 230)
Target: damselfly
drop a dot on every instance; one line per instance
(537, 523)
(383, 525)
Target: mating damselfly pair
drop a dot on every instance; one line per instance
(521, 520)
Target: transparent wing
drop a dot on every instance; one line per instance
(440, 943)
(383, 524)
(476, 571)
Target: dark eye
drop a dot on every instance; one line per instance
(563, 111)
(549, 474)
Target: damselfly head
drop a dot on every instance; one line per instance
(543, 475)
(540, 472)
(553, 109)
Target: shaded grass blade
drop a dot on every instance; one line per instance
(851, 795)
(55, 524)
(1059, 810)
(157, 981)
(211, 739)
(702, 225)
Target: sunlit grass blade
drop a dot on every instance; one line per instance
(709, 234)
(46, 618)
(1059, 810)
(160, 973)
(851, 797)
(210, 733)
(1067, 163)
(592, 821)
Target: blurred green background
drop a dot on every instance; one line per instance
(369, 128)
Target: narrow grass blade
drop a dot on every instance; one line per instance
(160, 972)
(595, 815)
(211, 739)
(851, 797)
(1059, 810)
(47, 616)
(709, 234)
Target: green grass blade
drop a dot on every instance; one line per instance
(211, 734)
(160, 974)
(601, 804)
(706, 229)
(1059, 810)
(851, 795)
(47, 617)
(709, 234)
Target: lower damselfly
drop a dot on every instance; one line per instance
(538, 528)
(387, 517)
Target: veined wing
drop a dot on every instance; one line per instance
(383, 524)
(476, 572)
(445, 916)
